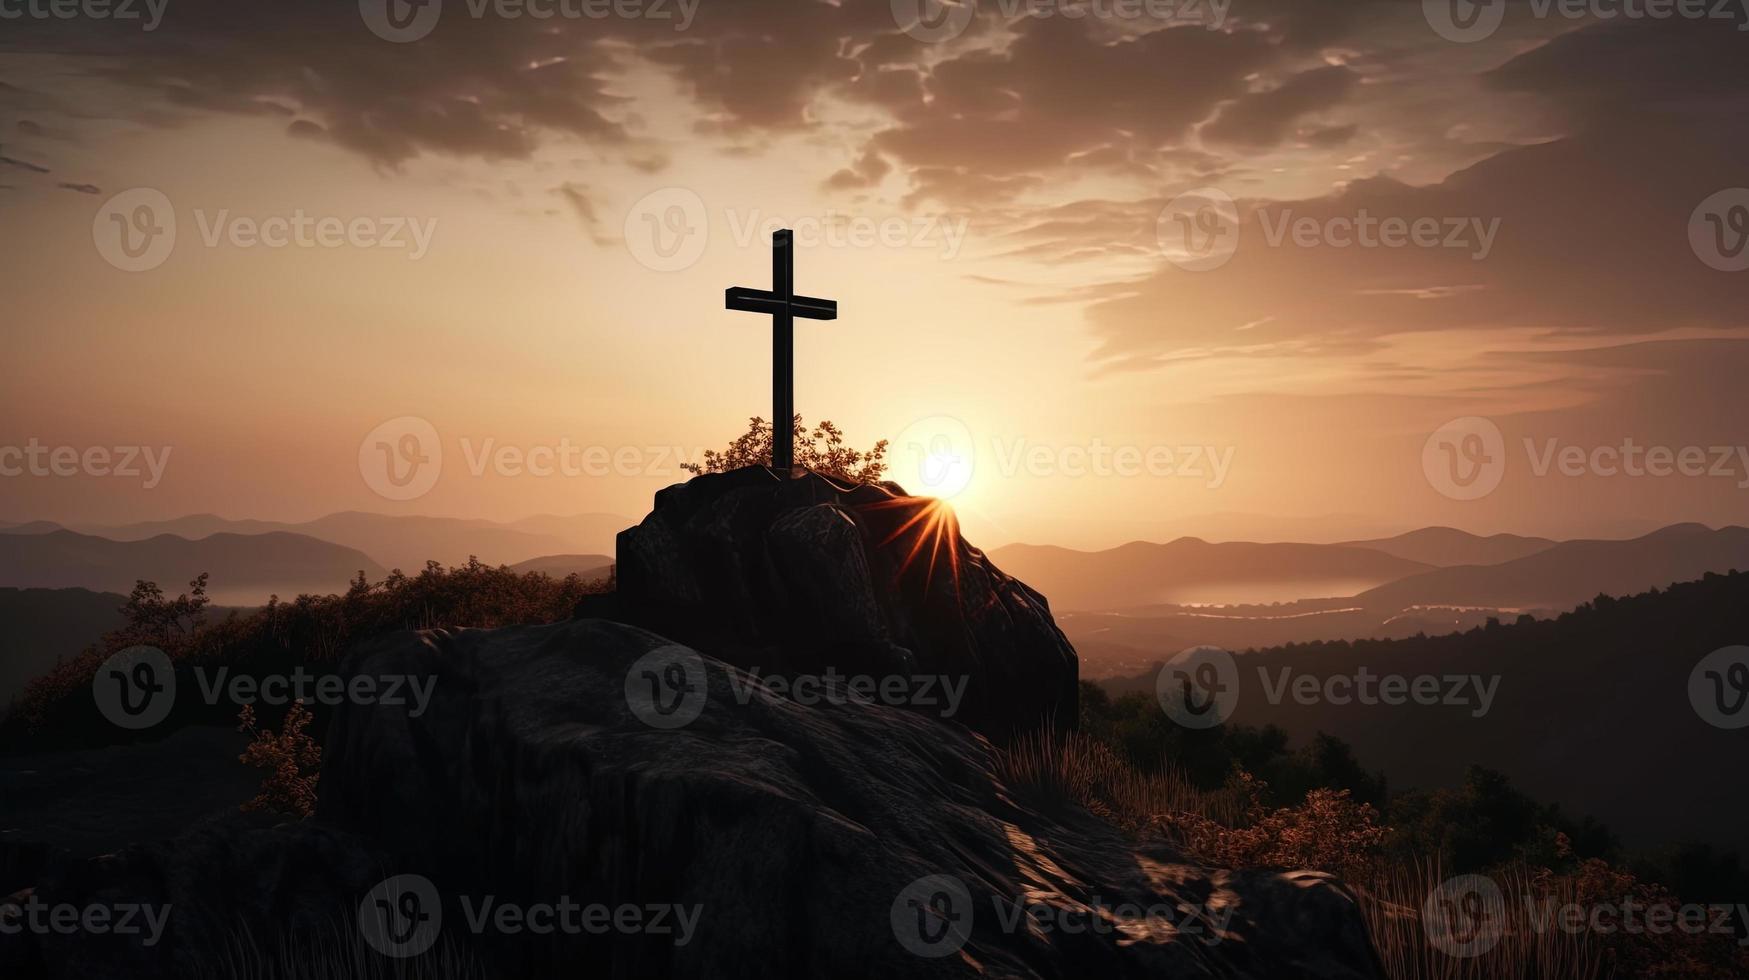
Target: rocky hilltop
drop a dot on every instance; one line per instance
(805, 575)
(663, 810)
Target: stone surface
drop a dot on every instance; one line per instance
(808, 575)
(798, 833)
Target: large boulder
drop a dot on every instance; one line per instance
(597, 764)
(806, 576)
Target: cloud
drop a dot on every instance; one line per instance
(1262, 119)
(866, 172)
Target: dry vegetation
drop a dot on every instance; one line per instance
(821, 450)
(1235, 827)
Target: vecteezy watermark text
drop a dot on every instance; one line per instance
(1469, 21)
(933, 917)
(934, 21)
(1200, 688)
(402, 459)
(667, 230)
(152, 11)
(1467, 916)
(405, 21)
(38, 917)
(137, 687)
(1466, 459)
(124, 462)
(403, 916)
(939, 454)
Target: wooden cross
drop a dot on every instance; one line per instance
(783, 306)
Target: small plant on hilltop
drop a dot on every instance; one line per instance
(292, 759)
(821, 450)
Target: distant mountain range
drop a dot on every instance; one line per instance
(1444, 546)
(392, 541)
(589, 567)
(245, 569)
(1193, 571)
(1564, 575)
(1546, 578)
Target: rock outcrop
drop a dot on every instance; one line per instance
(808, 576)
(839, 839)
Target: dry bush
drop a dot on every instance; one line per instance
(822, 451)
(1532, 945)
(292, 759)
(1328, 832)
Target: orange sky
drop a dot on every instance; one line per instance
(994, 213)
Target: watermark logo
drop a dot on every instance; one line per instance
(1719, 688)
(667, 230)
(402, 458)
(1465, 916)
(934, 21)
(1464, 21)
(666, 688)
(300, 229)
(938, 454)
(35, 916)
(402, 916)
(1465, 458)
(1199, 688)
(124, 462)
(151, 11)
(400, 21)
(932, 916)
(941, 693)
(1363, 229)
(403, 21)
(135, 688)
(1198, 230)
(135, 231)
(1718, 231)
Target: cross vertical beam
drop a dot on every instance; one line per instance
(783, 352)
(782, 304)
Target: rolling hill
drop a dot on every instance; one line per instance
(30, 527)
(1572, 572)
(590, 567)
(1577, 702)
(1193, 571)
(1445, 546)
(408, 542)
(245, 569)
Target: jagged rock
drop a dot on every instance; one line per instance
(804, 575)
(807, 837)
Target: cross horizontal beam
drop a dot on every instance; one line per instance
(765, 301)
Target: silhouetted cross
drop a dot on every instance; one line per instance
(783, 305)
